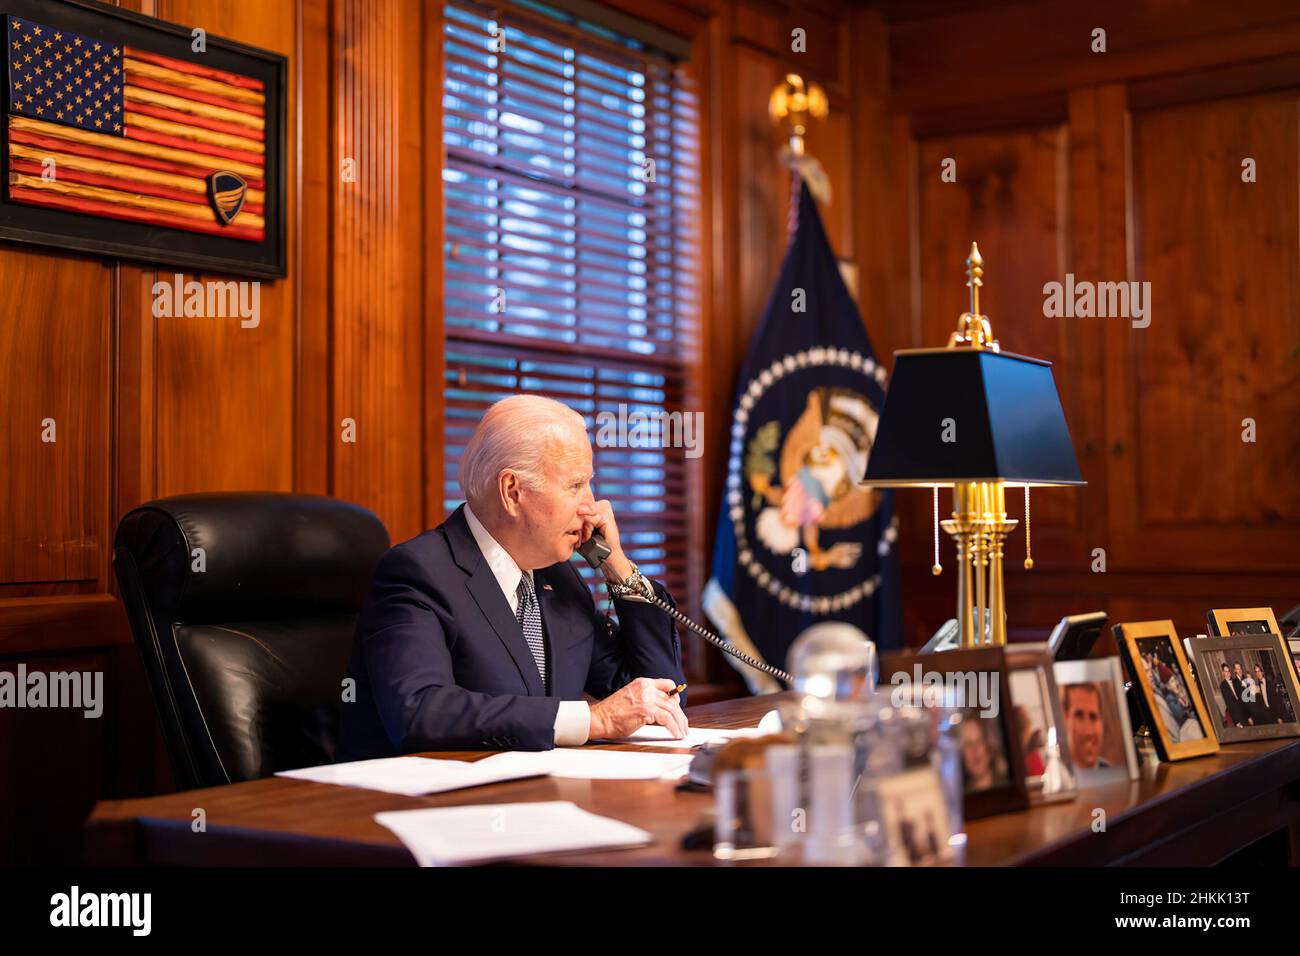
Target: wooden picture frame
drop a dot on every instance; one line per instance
(217, 199)
(1097, 671)
(1057, 781)
(1007, 791)
(1141, 642)
(1252, 712)
(1239, 621)
(1226, 622)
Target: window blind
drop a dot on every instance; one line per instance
(570, 196)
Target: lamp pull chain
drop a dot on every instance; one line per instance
(1029, 547)
(937, 569)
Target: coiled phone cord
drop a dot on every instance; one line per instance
(595, 550)
(716, 641)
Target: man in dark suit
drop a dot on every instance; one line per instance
(1268, 703)
(480, 634)
(1230, 689)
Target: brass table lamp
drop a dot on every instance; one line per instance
(975, 419)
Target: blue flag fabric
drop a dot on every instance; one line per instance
(799, 542)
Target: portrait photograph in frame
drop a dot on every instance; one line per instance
(915, 818)
(1250, 687)
(1037, 716)
(992, 762)
(1173, 706)
(1098, 732)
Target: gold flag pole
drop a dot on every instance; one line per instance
(794, 103)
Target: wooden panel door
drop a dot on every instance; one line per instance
(1223, 347)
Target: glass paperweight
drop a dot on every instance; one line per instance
(833, 661)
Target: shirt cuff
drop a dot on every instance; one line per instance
(572, 723)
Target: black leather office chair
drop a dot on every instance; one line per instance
(243, 607)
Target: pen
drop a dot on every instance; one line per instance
(677, 690)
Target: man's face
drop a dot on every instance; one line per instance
(1084, 726)
(550, 513)
(1236, 670)
(1227, 673)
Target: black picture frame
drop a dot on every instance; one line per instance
(59, 229)
(1075, 635)
(1010, 794)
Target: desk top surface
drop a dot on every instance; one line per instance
(279, 820)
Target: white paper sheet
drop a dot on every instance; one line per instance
(450, 836)
(661, 736)
(771, 723)
(593, 764)
(412, 776)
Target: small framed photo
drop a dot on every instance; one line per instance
(973, 685)
(1098, 734)
(1231, 622)
(1250, 687)
(1225, 622)
(1075, 635)
(1036, 713)
(1175, 712)
(915, 818)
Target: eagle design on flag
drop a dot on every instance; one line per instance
(822, 461)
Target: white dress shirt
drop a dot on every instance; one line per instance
(573, 719)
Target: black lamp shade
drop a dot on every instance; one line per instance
(1006, 422)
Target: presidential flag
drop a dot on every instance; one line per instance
(117, 132)
(799, 541)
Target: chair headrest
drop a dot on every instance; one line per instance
(208, 558)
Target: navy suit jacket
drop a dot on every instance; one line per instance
(441, 663)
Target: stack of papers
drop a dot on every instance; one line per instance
(450, 836)
(417, 776)
(412, 776)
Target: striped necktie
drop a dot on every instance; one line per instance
(530, 619)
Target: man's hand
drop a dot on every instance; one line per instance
(644, 701)
(599, 516)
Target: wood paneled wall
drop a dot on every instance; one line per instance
(147, 407)
(1116, 166)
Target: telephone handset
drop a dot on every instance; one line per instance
(596, 551)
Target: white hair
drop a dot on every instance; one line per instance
(519, 433)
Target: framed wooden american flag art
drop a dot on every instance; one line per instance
(129, 136)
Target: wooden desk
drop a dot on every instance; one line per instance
(1194, 812)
